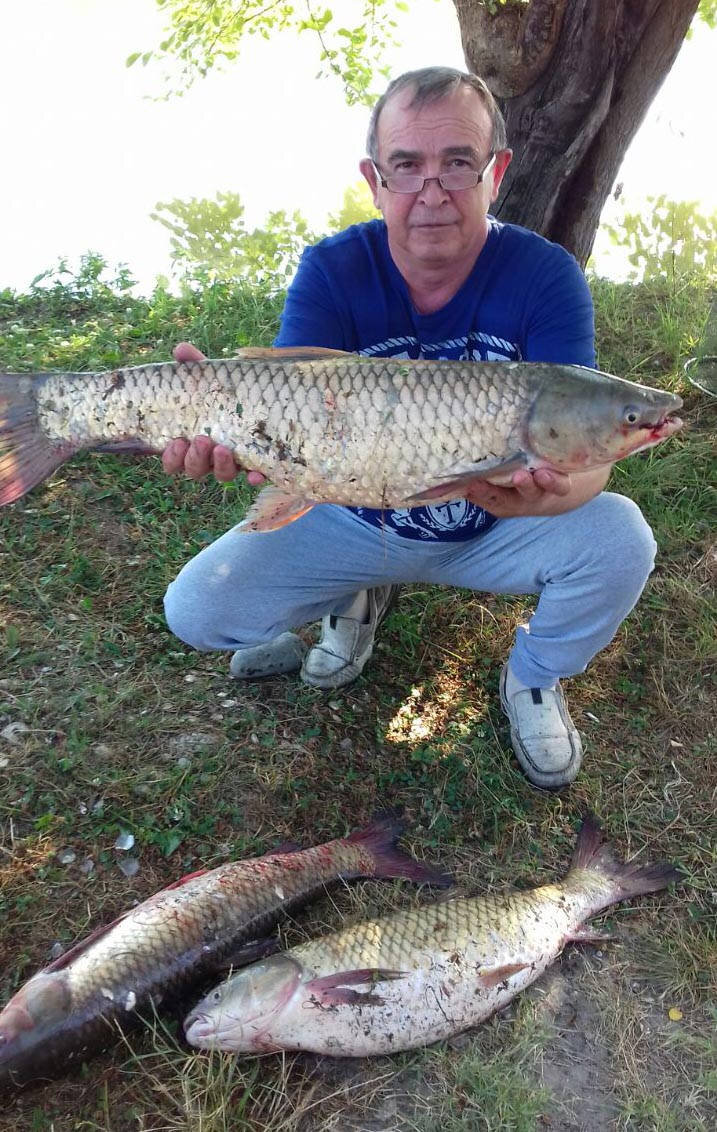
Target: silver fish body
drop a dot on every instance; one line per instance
(176, 937)
(418, 976)
(330, 427)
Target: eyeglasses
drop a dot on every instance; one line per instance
(451, 181)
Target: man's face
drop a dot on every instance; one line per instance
(435, 227)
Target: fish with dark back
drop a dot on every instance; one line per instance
(330, 427)
(206, 922)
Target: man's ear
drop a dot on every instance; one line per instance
(368, 171)
(502, 161)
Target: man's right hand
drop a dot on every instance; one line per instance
(199, 457)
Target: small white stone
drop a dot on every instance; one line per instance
(131, 1001)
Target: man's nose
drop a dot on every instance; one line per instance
(433, 191)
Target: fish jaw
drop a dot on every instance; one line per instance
(583, 419)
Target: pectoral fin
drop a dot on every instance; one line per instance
(456, 481)
(335, 989)
(491, 976)
(274, 508)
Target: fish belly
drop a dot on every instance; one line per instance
(430, 1003)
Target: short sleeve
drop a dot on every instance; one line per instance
(560, 325)
(310, 316)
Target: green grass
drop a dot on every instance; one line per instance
(127, 729)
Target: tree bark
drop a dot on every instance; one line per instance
(574, 80)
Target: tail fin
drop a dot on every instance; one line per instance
(629, 878)
(379, 841)
(27, 457)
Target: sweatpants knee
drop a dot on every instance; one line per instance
(187, 616)
(623, 538)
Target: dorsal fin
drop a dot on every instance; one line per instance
(291, 353)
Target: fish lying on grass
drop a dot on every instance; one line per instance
(183, 933)
(421, 975)
(325, 426)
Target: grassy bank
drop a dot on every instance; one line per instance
(108, 724)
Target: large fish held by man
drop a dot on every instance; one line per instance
(419, 975)
(329, 427)
(207, 921)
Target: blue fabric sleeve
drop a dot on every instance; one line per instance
(310, 316)
(560, 325)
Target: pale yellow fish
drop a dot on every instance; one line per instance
(326, 426)
(420, 975)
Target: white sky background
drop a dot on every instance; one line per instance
(86, 157)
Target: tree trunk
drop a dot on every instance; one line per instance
(574, 79)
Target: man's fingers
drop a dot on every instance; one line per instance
(488, 495)
(557, 483)
(186, 352)
(198, 461)
(255, 478)
(225, 468)
(173, 456)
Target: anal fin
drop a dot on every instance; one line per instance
(274, 508)
(584, 935)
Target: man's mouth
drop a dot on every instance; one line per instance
(433, 224)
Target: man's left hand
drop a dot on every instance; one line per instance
(542, 492)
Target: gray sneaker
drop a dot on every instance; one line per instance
(346, 644)
(545, 740)
(284, 654)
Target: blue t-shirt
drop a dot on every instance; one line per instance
(525, 298)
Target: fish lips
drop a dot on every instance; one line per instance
(201, 1031)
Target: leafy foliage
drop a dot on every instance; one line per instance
(210, 240)
(357, 207)
(204, 33)
(91, 319)
(672, 240)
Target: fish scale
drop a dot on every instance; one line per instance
(330, 427)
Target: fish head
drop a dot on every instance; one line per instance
(236, 1014)
(584, 419)
(37, 1010)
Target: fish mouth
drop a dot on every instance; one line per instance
(199, 1028)
(665, 426)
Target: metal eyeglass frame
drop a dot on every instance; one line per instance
(384, 181)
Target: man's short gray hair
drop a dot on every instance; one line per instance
(429, 84)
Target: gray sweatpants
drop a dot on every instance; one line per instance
(589, 567)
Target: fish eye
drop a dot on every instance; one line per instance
(217, 996)
(631, 415)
